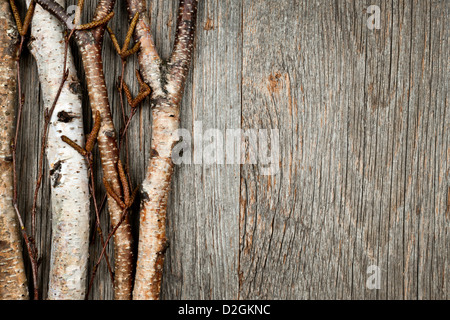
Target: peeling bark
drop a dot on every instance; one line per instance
(13, 282)
(168, 86)
(68, 169)
(89, 43)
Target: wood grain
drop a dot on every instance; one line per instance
(364, 124)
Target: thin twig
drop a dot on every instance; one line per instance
(113, 231)
(97, 215)
(48, 116)
(29, 241)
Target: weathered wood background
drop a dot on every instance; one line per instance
(364, 177)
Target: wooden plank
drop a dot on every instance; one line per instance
(364, 123)
(203, 219)
(364, 150)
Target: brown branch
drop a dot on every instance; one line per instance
(104, 7)
(149, 59)
(124, 53)
(97, 217)
(123, 217)
(181, 57)
(124, 181)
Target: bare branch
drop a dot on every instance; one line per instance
(181, 57)
(104, 7)
(149, 61)
(167, 94)
(57, 10)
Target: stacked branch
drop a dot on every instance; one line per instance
(89, 38)
(13, 282)
(68, 169)
(167, 83)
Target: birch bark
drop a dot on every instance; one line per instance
(89, 44)
(68, 169)
(167, 83)
(109, 154)
(13, 282)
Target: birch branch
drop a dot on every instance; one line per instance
(104, 7)
(68, 169)
(90, 47)
(180, 59)
(13, 281)
(149, 61)
(168, 86)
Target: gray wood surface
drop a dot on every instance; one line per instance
(364, 125)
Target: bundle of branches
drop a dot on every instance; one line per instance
(13, 282)
(70, 160)
(89, 38)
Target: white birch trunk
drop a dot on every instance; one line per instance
(68, 169)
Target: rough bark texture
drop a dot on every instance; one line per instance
(149, 60)
(103, 8)
(364, 179)
(90, 49)
(13, 281)
(109, 155)
(167, 93)
(68, 169)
